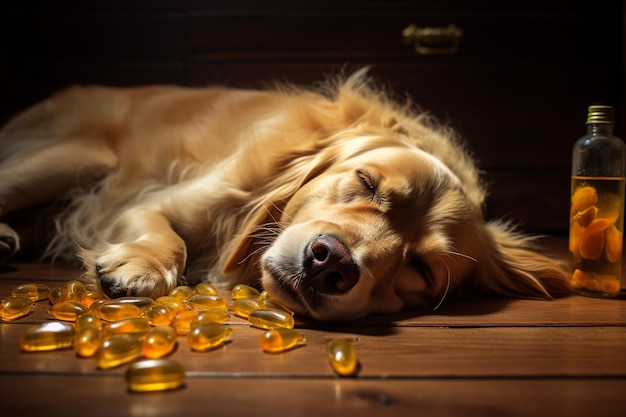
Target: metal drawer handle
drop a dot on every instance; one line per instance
(433, 40)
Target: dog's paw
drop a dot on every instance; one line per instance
(134, 269)
(9, 242)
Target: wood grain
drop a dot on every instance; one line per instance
(476, 356)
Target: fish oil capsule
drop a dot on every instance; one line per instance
(73, 290)
(271, 319)
(181, 292)
(88, 319)
(133, 325)
(206, 302)
(97, 305)
(113, 311)
(244, 291)
(208, 336)
(67, 310)
(34, 291)
(244, 306)
(204, 288)
(158, 315)
(155, 375)
(141, 302)
(48, 336)
(54, 295)
(280, 340)
(87, 340)
(159, 342)
(342, 357)
(174, 304)
(90, 297)
(182, 321)
(268, 302)
(274, 305)
(118, 350)
(14, 307)
(210, 317)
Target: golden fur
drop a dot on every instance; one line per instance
(338, 201)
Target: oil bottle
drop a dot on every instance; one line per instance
(597, 207)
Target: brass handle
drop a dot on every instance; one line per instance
(433, 40)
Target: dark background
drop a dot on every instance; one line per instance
(517, 88)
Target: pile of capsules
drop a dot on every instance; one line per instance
(142, 332)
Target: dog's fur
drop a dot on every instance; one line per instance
(338, 201)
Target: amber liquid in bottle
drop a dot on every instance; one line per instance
(596, 233)
(597, 208)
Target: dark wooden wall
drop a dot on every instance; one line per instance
(517, 88)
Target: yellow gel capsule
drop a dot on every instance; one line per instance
(208, 336)
(141, 302)
(118, 350)
(35, 292)
(90, 297)
(14, 307)
(97, 305)
(181, 292)
(87, 341)
(244, 306)
(182, 321)
(67, 310)
(244, 291)
(113, 311)
(279, 340)
(54, 295)
(73, 290)
(206, 302)
(204, 288)
(132, 326)
(272, 304)
(210, 317)
(159, 342)
(268, 302)
(88, 319)
(48, 336)
(342, 357)
(174, 304)
(155, 375)
(158, 315)
(271, 319)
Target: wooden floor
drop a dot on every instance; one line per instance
(480, 357)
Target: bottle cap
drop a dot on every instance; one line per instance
(600, 114)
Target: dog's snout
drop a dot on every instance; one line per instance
(111, 287)
(329, 266)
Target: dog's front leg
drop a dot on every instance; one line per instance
(146, 256)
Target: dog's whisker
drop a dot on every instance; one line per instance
(278, 209)
(445, 293)
(253, 253)
(471, 258)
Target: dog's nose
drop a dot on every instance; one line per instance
(329, 266)
(110, 288)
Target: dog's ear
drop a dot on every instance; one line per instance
(244, 250)
(512, 265)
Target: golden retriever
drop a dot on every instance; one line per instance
(339, 201)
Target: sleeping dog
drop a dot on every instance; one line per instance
(338, 201)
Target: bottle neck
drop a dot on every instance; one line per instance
(605, 129)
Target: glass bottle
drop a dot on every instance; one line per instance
(597, 207)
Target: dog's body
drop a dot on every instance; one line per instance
(341, 204)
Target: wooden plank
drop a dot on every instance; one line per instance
(54, 395)
(389, 352)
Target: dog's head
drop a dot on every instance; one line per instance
(388, 215)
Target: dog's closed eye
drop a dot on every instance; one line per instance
(367, 180)
(371, 184)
